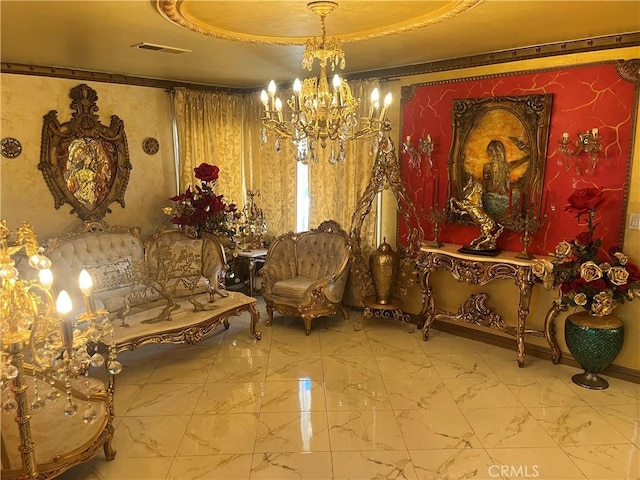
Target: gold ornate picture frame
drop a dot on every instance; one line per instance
(502, 143)
(84, 163)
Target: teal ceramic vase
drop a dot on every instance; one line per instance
(593, 342)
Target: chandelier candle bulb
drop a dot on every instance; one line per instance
(264, 98)
(375, 98)
(64, 306)
(271, 89)
(336, 89)
(86, 287)
(297, 88)
(46, 278)
(385, 106)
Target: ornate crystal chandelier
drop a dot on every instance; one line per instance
(51, 345)
(319, 116)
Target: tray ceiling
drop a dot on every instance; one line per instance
(246, 43)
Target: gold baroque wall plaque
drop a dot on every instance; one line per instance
(150, 146)
(85, 164)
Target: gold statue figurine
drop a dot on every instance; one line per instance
(471, 205)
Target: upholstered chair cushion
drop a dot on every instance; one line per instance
(320, 255)
(293, 288)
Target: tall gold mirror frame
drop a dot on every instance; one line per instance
(85, 164)
(502, 143)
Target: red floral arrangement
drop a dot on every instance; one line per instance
(588, 276)
(200, 208)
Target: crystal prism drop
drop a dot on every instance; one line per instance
(37, 404)
(97, 360)
(9, 372)
(9, 405)
(114, 367)
(89, 415)
(71, 409)
(53, 395)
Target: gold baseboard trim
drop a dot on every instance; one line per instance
(615, 371)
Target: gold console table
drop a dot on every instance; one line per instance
(480, 270)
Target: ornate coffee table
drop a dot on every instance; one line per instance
(190, 323)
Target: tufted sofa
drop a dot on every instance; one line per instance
(305, 274)
(129, 271)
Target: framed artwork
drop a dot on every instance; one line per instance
(84, 163)
(501, 143)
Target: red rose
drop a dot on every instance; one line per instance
(565, 288)
(585, 200)
(578, 283)
(181, 220)
(200, 216)
(634, 272)
(206, 172)
(583, 238)
(598, 284)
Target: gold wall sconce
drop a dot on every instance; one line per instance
(584, 151)
(425, 148)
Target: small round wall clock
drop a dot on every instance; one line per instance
(10, 147)
(150, 146)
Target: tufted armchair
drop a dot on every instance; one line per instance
(305, 274)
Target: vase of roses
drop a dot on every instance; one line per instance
(593, 281)
(200, 209)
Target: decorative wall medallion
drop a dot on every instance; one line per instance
(150, 146)
(10, 147)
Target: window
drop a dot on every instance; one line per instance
(302, 197)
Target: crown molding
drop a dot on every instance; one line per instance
(622, 40)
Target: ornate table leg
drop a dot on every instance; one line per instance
(525, 285)
(255, 318)
(549, 330)
(252, 266)
(428, 312)
(360, 324)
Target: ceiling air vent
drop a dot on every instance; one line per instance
(160, 48)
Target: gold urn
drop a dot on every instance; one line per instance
(383, 264)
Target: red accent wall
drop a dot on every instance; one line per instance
(584, 97)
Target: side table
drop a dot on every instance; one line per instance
(480, 270)
(253, 257)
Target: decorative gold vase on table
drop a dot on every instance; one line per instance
(594, 342)
(384, 264)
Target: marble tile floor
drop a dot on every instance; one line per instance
(372, 404)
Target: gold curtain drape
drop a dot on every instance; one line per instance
(335, 190)
(226, 130)
(273, 172)
(209, 128)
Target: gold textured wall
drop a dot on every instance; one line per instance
(24, 195)
(504, 294)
